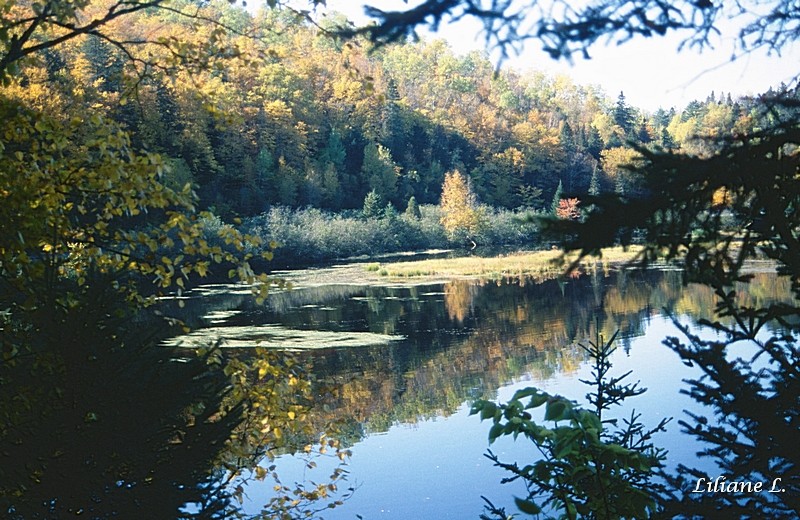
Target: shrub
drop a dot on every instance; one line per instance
(507, 228)
(308, 236)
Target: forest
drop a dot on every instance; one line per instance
(299, 119)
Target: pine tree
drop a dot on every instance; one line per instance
(412, 210)
(334, 152)
(667, 141)
(594, 142)
(693, 109)
(557, 198)
(623, 115)
(530, 196)
(567, 138)
(643, 132)
(379, 170)
(373, 205)
(389, 212)
(594, 183)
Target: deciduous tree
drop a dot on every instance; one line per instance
(461, 216)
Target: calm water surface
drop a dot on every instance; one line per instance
(403, 364)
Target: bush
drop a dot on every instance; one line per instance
(504, 228)
(309, 236)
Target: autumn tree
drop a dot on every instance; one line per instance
(619, 163)
(568, 209)
(461, 216)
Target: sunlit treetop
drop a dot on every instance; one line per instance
(28, 28)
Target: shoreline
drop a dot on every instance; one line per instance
(537, 265)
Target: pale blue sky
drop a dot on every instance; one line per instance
(651, 72)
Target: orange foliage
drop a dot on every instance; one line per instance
(568, 209)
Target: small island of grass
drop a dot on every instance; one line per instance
(528, 264)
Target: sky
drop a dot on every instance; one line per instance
(650, 72)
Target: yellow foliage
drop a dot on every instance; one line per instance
(458, 296)
(721, 197)
(620, 160)
(460, 213)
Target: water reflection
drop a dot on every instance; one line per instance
(465, 339)
(96, 423)
(414, 355)
(462, 340)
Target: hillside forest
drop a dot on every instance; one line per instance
(295, 120)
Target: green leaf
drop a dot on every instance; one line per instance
(555, 411)
(525, 392)
(488, 410)
(527, 507)
(496, 431)
(538, 400)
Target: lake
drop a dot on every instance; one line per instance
(400, 364)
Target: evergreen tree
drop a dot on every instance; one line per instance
(619, 185)
(392, 131)
(331, 187)
(412, 209)
(567, 138)
(379, 170)
(334, 152)
(594, 183)
(288, 183)
(530, 196)
(667, 142)
(557, 198)
(694, 109)
(594, 143)
(389, 212)
(661, 118)
(643, 132)
(623, 116)
(373, 205)
(266, 171)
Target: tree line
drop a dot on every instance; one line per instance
(308, 120)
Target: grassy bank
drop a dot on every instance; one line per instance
(524, 264)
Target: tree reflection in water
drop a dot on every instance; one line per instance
(98, 421)
(106, 424)
(465, 339)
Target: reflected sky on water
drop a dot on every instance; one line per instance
(403, 403)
